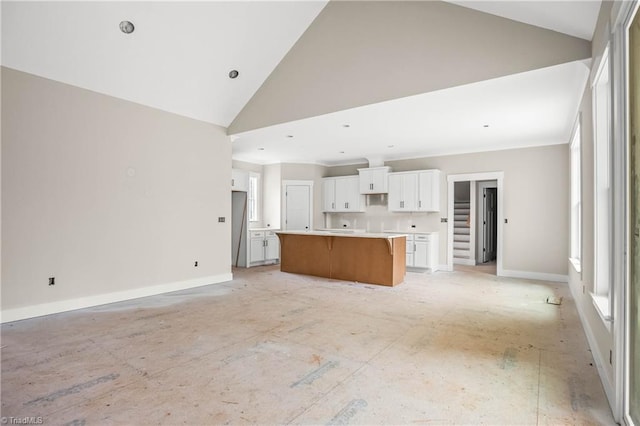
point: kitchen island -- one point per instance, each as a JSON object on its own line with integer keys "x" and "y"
{"x": 362, "y": 257}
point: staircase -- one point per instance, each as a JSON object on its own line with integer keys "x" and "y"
{"x": 461, "y": 233}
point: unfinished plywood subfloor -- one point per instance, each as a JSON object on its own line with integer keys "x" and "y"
{"x": 276, "y": 348}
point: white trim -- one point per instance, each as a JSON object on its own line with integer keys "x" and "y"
{"x": 621, "y": 216}
{"x": 472, "y": 177}
{"x": 460, "y": 261}
{"x": 576, "y": 264}
{"x": 33, "y": 311}
{"x": 601, "y": 304}
{"x": 607, "y": 384}
{"x": 444, "y": 268}
{"x": 540, "y": 276}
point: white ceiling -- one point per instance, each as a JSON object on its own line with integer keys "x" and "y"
{"x": 574, "y": 17}
{"x": 179, "y": 57}
{"x": 527, "y": 109}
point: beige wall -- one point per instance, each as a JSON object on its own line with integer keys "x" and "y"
{"x": 400, "y": 48}
{"x": 536, "y": 189}
{"x": 272, "y": 188}
{"x": 250, "y": 167}
{"x": 106, "y": 195}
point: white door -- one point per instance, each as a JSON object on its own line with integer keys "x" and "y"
{"x": 298, "y": 207}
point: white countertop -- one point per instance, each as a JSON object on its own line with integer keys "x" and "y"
{"x": 343, "y": 230}
{"x": 342, "y": 234}
{"x": 409, "y": 231}
{"x": 264, "y": 229}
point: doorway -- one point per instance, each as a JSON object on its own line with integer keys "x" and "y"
{"x": 483, "y": 215}
{"x": 298, "y": 205}
{"x": 487, "y": 230}
{"x": 239, "y": 229}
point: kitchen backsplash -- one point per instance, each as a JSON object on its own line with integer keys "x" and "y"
{"x": 378, "y": 218}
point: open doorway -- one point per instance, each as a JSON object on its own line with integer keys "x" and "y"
{"x": 475, "y": 222}
{"x": 487, "y": 229}
{"x": 475, "y": 228}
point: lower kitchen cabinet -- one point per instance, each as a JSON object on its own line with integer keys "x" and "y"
{"x": 423, "y": 251}
{"x": 264, "y": 247}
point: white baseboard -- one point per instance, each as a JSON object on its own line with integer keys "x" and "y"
{"x": 445, "y": 268}
{"x": 33, "y": 311}
{"x": 607, "y": 383}
{"x": 542, "y": 276}
{"x": 460, "y": 261}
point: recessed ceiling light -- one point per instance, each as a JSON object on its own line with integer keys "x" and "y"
{"x": 233, "y": 73}
{"x": 127, "y": 27}
{"x": 260, "y": 149}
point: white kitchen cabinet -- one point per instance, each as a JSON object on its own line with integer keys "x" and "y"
{"x": 264, "y": 247}
{"x": 403, "y": 192}
{"x": 272, "y": 248}
{"x": 417, "y": 191}
{"x": 426, "y": 251}
{"x": 328, "y": 195}
{"x": 422, "y": 251}
{"x": 374, "y": 180}
{"x": 342, "y": 194}
{"x": 409, "y": 251}
{"x": 239, "y": 180}
{"x": 429, "y": 191}
{"x": 421, "y": 254}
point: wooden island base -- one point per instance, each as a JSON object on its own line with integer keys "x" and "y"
{"x": 367, "y": 259}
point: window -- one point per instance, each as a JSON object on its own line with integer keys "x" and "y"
{"x": 602, "y": 121}
{"x": 576, "y": 197}
{"x": 254, "y": 185}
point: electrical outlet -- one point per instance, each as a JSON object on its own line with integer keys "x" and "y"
{"x": 52, "y": 280}
{"x": 195, "y": 264}
{"x": 221, "y": 219}
{"x": 444, "y": 220}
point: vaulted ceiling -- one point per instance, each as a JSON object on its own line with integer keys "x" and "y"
{"x": 348, "y": 80}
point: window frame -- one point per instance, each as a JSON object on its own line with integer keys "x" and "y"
{"x": 602, "y": 294}
{"x": 253, "y": 197}
{"x": 575, "y": 147}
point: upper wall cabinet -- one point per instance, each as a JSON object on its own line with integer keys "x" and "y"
{"x": 417, "y": 191}
{"x": 374, "y": 180}
{"x": 403, "y": 192}
{"x": 429, "y": 191}
{"x": 239, "y": 180}
{"x": 341, "y": 194}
